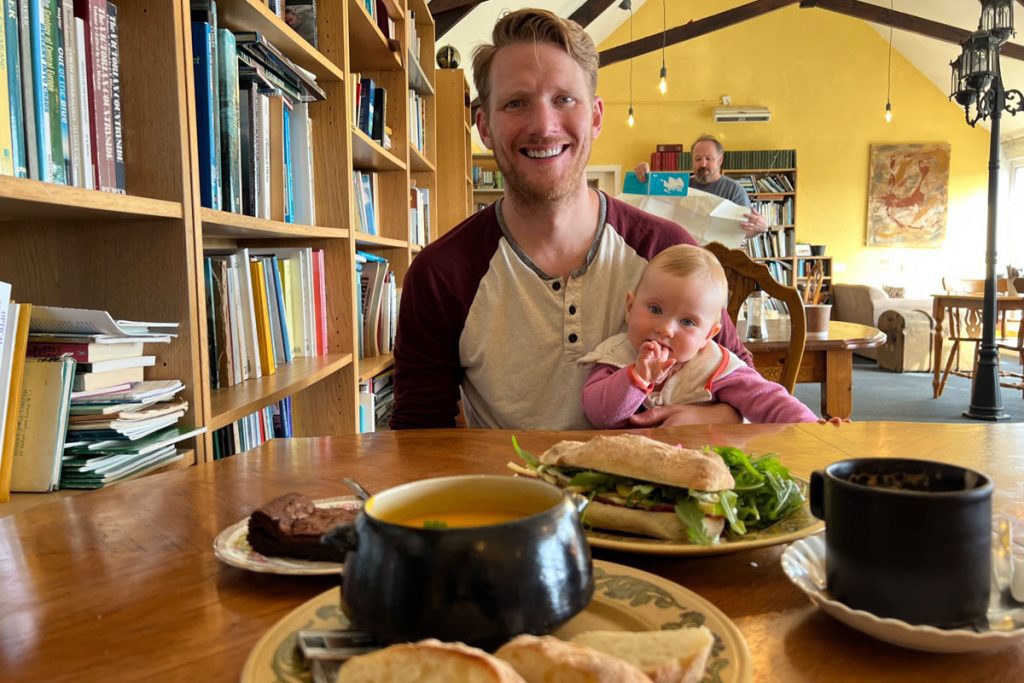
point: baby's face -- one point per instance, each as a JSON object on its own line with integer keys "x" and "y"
{"x": 679, "y": 313}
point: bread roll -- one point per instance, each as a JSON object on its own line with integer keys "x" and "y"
{"x": 664, "y": 525}
{"x": 543, "y": 659}
{"x": 428, "y": 661}
{"x": 637, "y": 457}
{"x": 666, "y": 656}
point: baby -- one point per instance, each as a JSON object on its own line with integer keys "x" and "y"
{"x": 667, "y": 355}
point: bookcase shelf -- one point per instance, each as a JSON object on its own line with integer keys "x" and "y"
{"x": 252, "y": 15}
{"x": 371, "y": 366}
{"x": 417, "y": 162}
{"x": 141, "y": 255}
{"x": 233, "y": 403}
{"x": 370, "y": 156}
{"x": 234, "y": 225}
{"x": 368, "y": 48}
{"x": 454, "y": 150}
{"x": 22, "y": 198}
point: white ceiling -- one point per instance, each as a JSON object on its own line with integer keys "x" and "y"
{"x": 929, "y": 55}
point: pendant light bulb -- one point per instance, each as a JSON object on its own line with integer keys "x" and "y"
{"x": 630, "y": 120}
{"x": 888, "y": 112}
{"x": 663, "y": 83}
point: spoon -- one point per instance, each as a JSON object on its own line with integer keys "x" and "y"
{"x": 356, "y": 488}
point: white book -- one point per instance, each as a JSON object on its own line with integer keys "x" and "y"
{"x": 63, "y": 321}
{"x": 240, "y": 368}
{"x": 7, "y": 326}
{"x": 85, "y": 132}
{"x": 118, "y": 364}
{"x": 265, "y": 148}
{"x": 302, "y": 155}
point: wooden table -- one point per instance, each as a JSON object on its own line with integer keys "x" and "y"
{"x": 828, "y": 359}
{"x": 122, "y": 584}
{"x": 940, "y": 302}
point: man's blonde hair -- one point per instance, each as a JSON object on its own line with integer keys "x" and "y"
{"x": 534, "y": 26}
{"x": 688, "y": 261}
{"x": 708, "y": 138}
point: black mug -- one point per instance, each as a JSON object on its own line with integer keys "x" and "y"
{"x": 907, "y": 539}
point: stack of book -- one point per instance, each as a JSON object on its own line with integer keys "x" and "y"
{"x": 87, "y": 417}
{"x": 60, "y": 91}
{"x": 378, "y": 307}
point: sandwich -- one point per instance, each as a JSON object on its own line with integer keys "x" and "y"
{"x": 641, "y": 486}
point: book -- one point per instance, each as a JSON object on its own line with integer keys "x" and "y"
{"x": 75, "y": 172}
{"x": 202, "y": 64}
{"x": 42, "y": 423}
{"x": 10, "y": 93}
{"x": 117, "y": 364}
{"x": 231, "y": 143}
{"x": 28, "y": 88}
{"x": 11, "y": 374}
{"x": 61, "y": 321}
{"x": 88, "y": 167}
{"x": 88, "y": 381}
{"x": 262, "y": 311}
{"x": 114, "y": 62}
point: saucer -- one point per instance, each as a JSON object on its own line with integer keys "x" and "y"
{"x": 804, "y": 564}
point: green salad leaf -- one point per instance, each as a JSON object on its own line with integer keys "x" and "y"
{"x": 765, "y": 490}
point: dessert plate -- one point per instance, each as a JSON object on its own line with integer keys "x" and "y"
{"x": 625, "y": 599}
{"x": 804, "y": 564}
{"x": 798, "y": 525}
{"x": 232, "y": 547}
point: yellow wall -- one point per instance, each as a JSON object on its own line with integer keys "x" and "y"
{"x": 823, "y": 76}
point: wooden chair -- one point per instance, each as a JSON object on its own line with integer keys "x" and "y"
{"x": 964, "y": 326}
{"x": 746, "y": 276}
{"x": 1014, "y": 379}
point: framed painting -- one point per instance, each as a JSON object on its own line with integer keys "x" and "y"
{"x": 908, "y": 195}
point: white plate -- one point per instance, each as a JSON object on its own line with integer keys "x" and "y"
{"x": 804, "y": 564}
{"x": 232, "y": 547}
{"x": 625, "y": 599}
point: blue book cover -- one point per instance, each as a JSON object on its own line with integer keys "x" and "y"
{"x": 14, "y": 87}
{"x": 659, "y": 184}
{"x": 289, "y": 183}
{"x": 38, "y": 17}
{"x": 203, "y": 72}
{"x": 366, "y": 195}
{"x": 282, "y": 319}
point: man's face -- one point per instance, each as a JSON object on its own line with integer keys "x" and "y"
{"x": 707, "y": 162}
{"x": 540, "y": 121}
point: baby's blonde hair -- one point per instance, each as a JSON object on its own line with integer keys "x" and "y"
{"x": 688, "y": 261}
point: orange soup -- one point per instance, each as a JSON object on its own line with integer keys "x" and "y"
{"x": 455, "y": 520}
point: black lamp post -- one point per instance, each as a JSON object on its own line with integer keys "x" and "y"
{"x": 977, "y": 85}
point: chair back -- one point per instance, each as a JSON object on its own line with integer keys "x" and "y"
{"x": 746, "y": 276}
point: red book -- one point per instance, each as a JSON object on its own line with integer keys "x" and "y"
{"x": 93, "y": 14}
{"x": 84, "y": 353}
{"x": 320, "y": 300}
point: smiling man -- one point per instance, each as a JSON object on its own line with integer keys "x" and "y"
{"x": 498, "y": 311}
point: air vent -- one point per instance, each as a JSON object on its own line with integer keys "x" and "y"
{"x": 742, "y": 114}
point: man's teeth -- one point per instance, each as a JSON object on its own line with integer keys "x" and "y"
{"x": 543, "y": 153}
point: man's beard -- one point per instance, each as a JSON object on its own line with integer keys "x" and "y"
{"x": 703, "y": 175}
{"x": 535, "y": 191}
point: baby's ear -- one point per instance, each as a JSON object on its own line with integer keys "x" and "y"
{"x": 715, "y": 329}
{"x": 629, "y": 301}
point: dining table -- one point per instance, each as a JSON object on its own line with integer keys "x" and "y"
{"x": 122, "y": 583}
{"x": 947, "y": 301}
{"x": 827, "y": 359}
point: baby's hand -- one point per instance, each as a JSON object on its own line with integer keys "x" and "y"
{"x": 653, "y": 362}
{"x": 833, "y": 421}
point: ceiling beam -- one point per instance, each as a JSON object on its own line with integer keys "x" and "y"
{"x": 447, "y": 13}
{"x": 905, "y": 22}
{"x": 690, "y": 30}
{"x": 592, "y": 9}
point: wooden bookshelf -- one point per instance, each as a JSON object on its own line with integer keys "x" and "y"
{"x": 140, "y": 255}
{"x": 455, "y": 150}
{"x": 484, "y": 194}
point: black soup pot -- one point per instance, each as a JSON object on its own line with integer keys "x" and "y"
{"x": 907, "y": 539}
{"x": 481, "y": 584}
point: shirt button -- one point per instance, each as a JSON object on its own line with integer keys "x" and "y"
{"x": 572, "y": 310}
{"x": 557, "y": 286}
{"x": 573, "y": 338}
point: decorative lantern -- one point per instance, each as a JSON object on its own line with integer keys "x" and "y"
{"x": 997, "y": 18}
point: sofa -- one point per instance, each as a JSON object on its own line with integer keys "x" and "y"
{"x": 865, "y": 304}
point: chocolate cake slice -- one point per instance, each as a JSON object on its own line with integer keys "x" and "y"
{"x": 291, "y": 526}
